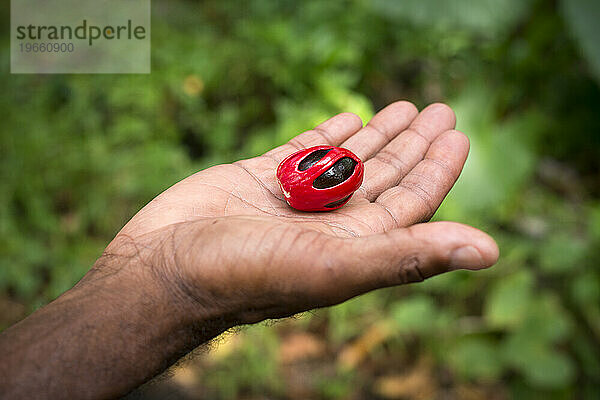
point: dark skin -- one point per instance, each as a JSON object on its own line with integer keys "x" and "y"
{"x": 221, "y": 248}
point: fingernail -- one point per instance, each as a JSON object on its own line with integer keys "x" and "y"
{"x": 467, "y": 257}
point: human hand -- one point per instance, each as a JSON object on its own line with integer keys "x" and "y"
{"x": 228, "y": 247}
{"x": 222, "y": 248}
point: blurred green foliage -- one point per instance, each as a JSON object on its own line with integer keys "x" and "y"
{"x": 80, "y": 154}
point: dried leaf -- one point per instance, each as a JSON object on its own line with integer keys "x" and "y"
{"x": 300, "y": 346}
{"x": 193, "y": 85}
{"x": 354, "y": 353}
{"x": 419, "y": 383}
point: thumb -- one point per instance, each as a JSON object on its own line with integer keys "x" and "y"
{"x": 414, "y": 254}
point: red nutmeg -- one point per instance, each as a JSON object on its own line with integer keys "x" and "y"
{"x": 320, "y": 178}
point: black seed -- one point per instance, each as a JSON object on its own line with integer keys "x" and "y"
{"x": 337, "y": 203}
{"x": 338, "y": 173}
{"x": 312, "y": 158}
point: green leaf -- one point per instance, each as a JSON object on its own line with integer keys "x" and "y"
{"x": 476, "y": 358}
{"x": 594, "y": 222}
{"x": 500, "y": 161}
{"x": 508, "y": 303}
{"x": 415, "y": 315}
{"x": 561, "y": 253}
{"x": 585, "y": 288}
{"x": 483, "y": 16}
{"x": 582, "y": 18}
{"x": 546, "y": 320}
{"x": 539, "y": 363}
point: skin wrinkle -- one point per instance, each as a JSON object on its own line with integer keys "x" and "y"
{"x": 325, "y": 135}
{"x": 374, "y": 151}
{"x": 414, "y": 128}
{"x": 255, "y": 178}
{"x": 191, "y": 291}
{"x": 383, "y": 277}
{"x": 321, "y": 272}
{"x": 270, "y": 157}
{"x": 271, "y": 257}
{"x": 239, "y": 263}
{"x": 395, "y": 222}
{"x": 98, "y": 269}
{"x": 408, "y": 266}
{"x": 286, "y": 208}
{"x": 261, "y": 184}
{"x": 381, "y": 132}
{"x": 263, "y": 239}
{"x": 178, "y": 269}
{"x": 295, "y": 240}
{"x": 415, "y": 132}
{"x": 402, "y": 171}
{"x": 301, "y": 241}
{"x": 421, "y": 193}
{"x": 389, "y": 158}
{"x": 231, "y": 194}
{"x": 125, "y": 327}
{"x": 364, "y": 191}
{"x": 348, "y": 231}
{"x": 296, "y": 144}
{"x": 419, "y": 178}
{"x": 382, "y": 224}
{"x": 240, "y": 199}
{"x": 409, "y": 263}
{"x": 338, "y": 212}
{"x": 104, "y": 260}
{"x": 273, "y": 248}
{"x": 241, "y": 250}
{"x": 320, "y": 239}
{"x": 397, "y": 177}
{"x": 370, "y": 228}
{"x": 178, "y": 266}
{"x": 448, "y": 170}
{"x": 309, "y": 219}
{"x": 435, "y": 177}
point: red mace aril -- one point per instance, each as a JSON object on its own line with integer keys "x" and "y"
{"x": 320, "y": 178}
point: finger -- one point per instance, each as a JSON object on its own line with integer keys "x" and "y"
{"x": 333, "y": 131}
{"x": 403, "y": 256}
{"x": 420, "y": 193}
{"x": 398, "y": 157}
{"x": 382, "y": 128}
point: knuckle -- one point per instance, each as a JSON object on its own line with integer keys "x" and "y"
{"x": 410, "y": 269}
{"x": 393, "y": 159}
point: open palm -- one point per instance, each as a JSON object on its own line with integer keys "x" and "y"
{"x": 230, "y": 232}
{"x": 411, "y": 162}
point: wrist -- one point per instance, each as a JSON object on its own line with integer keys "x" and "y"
{"x": 140, "y": 274}
{"x": 117, "y": 328}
